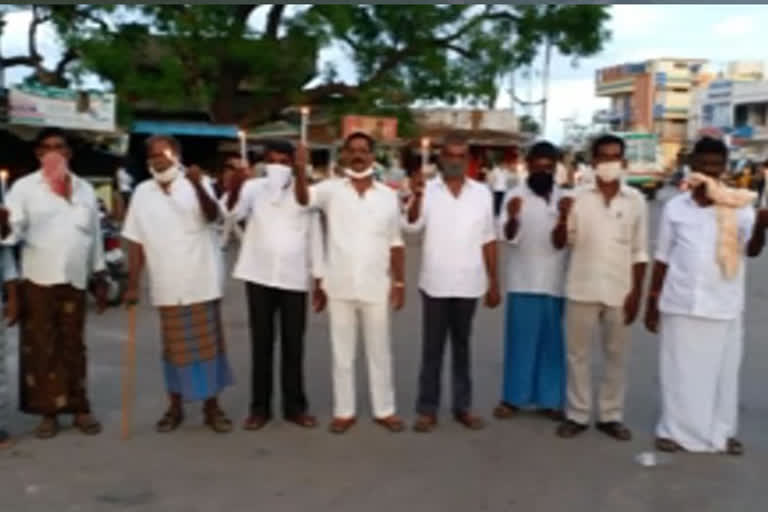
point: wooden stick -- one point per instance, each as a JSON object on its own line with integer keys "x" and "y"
{"x": 129, "y": 373}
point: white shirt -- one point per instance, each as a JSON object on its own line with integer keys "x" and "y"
{"x": 61, "y": 240}
{"x": 533, "y": 264}
{"x": 606, "y": 241}
{"x": 282, "y": 239}
{"x": 124, "y": 180}
{"x": 455, "y": 231}
{"x": 687, "y": 243}
{"x": 499, "y": 179}
{"x": 180, "y": 246}
{"x": 360, "y": 233}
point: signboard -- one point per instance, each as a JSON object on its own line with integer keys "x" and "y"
{"x": 380, "y": 128}
{"x": 37, "y": 105}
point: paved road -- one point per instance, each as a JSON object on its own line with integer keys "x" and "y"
{"x": 515, "y": 465}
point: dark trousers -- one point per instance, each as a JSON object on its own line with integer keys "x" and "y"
{"x": 498, "y": 199}
{"x": 444, "y": 317}
{"x": 264, "y": 305}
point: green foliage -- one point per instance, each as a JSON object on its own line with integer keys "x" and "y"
{"x": 247, "y": 63}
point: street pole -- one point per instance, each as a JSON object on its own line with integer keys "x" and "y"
{"x": 545, "y": 84}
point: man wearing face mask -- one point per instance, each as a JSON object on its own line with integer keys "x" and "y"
{"x": 54, "y": 213}
{"x": 458, "y": 267}
{"x": 363, "y": 274}
{"x": 696, "y": 302}
{"x": 534, "y": 360}
{"x": 606, "y": 229}
{"x": 170, "y": 226}
{"x": 281, "y": 244}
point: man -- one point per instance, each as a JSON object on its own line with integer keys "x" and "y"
{"x": 499, "y": 178}
{"x": 606, "y": 229}
{"x": 9, "y": 276}
{"x": 364, "y": 270}
{"x": 280, "y": 245}
{"x": 171, "y": 226}
{"x": 458, "y": 267}
{"x": 697, "y": 302}
{"x": 54, "y": 214}
{"x": 534, "y": 360}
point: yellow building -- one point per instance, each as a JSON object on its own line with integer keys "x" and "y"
{"x": 654, "y": 97}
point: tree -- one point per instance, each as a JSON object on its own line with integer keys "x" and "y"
{"x": 529, "y": 125}
{"x": 246, "y": 63}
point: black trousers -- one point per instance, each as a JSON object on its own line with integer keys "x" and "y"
{"x": 444, "y": 317}
{"x": 265, "y": 304}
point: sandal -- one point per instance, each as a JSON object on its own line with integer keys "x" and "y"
{"x": 218, "y": 421}
{"x": 392, "y": 423}
{"x": 668, "y": 445}
{"x": 615, "y": 429}
{"x": 505, "y": 411}
{"x": 47, "y": 428}
{"x": 425, "y": 423}
{"x": 87, "y": 424}
{"x": 570, "y": 429}
{"x": 734, "y": 447}
{"x": 170, "y": 421}
{"x": 553, "y": 414}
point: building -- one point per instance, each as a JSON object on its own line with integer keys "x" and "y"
{"x": 653, "y": 96}
{"x": 737, "y": 110}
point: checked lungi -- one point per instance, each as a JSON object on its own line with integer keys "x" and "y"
{"x": 194, "y": 356}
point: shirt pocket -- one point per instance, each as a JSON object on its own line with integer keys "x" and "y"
{"x": 82, "y": 218}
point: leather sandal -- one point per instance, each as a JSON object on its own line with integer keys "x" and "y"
{"x": 341, "y": 425}
{"x": 218, "y": 421}
{"x": 505, "y": 411}
{"x": 87, "y": 424}
{"x": 469, "y": 421}
{"x": 392, "y": 423}
{"x": 255, "y": 422}
{"x": 615, "y": 429}
{"x": 425, "y": 423}
{"x": 48, "y": 428}
{"x": 170, "y": 421}
{"x": 734, "y": 447}
{"x": 570, "y": 429}
{"x": 553, "y": 414}
{"x": 303, "y": 420}
{"x": 667, "y": 445}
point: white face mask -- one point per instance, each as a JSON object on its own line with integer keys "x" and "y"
{"x": 351, "y": 173}
{"x": 278, "y": 175}
{"x": 166, "y": 176}
{"x": 609, "y": 171}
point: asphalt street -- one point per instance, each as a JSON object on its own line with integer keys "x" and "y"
{"x": 518, "y": 464}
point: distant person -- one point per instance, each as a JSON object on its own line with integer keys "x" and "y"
{"x": 605, "y": 226}
{"x": 499, "y": 178}
{"x": 534, "y": 341}
{"x": 459, "y": 266}
{"x": 696, "y": 302}
{"x": 170, "y": 228}
{"x": 54, "y": 214}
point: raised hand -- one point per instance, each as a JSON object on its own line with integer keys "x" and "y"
{"x": 514, "y": 206}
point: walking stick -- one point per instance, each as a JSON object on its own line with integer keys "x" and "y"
{"x": 129, "y": 372}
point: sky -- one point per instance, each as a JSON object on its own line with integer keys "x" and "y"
{"x": 719, "y": 33}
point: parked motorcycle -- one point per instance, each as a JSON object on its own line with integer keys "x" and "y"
{"x": 114, "y": 256}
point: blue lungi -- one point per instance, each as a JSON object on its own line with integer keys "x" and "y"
{"x": 534, "y": 351}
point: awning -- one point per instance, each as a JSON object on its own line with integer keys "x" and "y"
{"x": 195, "y": 129}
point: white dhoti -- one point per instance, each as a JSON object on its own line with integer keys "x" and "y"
{"x": 344, "y": 315}
{"x": 699, "y": 363}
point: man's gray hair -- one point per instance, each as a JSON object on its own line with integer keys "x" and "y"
{"x": 168, "y": 139}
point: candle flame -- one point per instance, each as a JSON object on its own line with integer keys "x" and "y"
{"x": 425, "y": 142}
{"x": 305, "y": 111}
{"x": 3, "y": 174}
{"x": 241, "y": 134}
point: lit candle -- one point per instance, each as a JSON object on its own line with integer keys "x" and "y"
{"x": 304, "y": 124}
{"x": 243, "y": 147}
{"x": 424, "y": 153}
{"x": 3, "y": 183}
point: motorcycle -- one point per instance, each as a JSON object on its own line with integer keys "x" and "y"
{"x": 114, "y": 257}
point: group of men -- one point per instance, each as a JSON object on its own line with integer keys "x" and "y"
{"x": 575, "y": 268}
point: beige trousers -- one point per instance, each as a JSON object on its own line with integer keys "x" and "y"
{"x": 582, "y": 321}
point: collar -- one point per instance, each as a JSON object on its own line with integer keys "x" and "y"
{"x": 623, "y": 189}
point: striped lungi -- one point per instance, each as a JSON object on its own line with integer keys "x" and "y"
{"x": 194, "y": 357}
